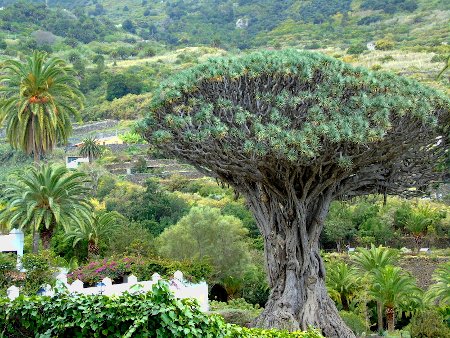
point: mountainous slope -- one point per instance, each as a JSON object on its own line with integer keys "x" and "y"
{"x": 247, "y": 23}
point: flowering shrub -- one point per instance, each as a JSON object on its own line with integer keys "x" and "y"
{"x": 143, "y": 268}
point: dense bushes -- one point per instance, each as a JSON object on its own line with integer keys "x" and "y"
{"x": 152, "y": 314}
{"x": 429, "y": 324}
{"x": 39, "y": 271}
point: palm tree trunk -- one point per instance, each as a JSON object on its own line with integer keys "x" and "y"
{"x": 380, "y": 316}
{"x": 344, "y": 302}
{"x": 390, "y": 316}
{"x": 93, "y": 250}
{"x": 35, "y": 241}
{"x": 46, "y": 236}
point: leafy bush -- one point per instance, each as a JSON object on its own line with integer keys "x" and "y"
{"x": 354, "y": 322}
{"x": 39, "y": 271}
{"x": 152, "y": 314}
{"x": 356, "y": 49}
{"x": 8, "y": 273}
{"x": 429, "y": 324}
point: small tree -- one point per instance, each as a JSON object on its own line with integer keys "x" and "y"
{"x": 393, "y": 288}
{"x": 342, "y": 282}
{"x": 90, "y": 149}
{"x": 44, "y": 198}
{"x": 292, "y": 131}
{"x": 205, "y": 234}
{"x": 339, "y": 225}
{"x": 371, "y": 261}
{"x": 98, "y": 228}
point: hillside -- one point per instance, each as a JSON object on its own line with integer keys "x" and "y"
{"x": 246, "y": 24}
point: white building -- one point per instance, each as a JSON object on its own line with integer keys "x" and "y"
{"x": 13, "y": 243}
{"x": 72, "y": 162}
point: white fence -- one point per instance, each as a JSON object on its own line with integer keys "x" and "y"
{"x": 180, "y": 288}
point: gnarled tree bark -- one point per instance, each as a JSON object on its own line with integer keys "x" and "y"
{"x": 291, "y": 230}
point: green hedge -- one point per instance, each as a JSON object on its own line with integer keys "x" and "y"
{"x": 152, "y": 314}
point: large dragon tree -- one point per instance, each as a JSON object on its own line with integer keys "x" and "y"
{"x": 292, "y": 131}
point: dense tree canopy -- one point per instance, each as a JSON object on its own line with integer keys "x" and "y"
{"x": 292, "y": 131}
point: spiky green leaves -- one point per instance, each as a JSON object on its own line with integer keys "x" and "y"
{"x": 38, "y": 99}
{"x": 289, "y": 104}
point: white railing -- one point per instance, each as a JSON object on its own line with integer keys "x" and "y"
{"x": 180, "y": 288}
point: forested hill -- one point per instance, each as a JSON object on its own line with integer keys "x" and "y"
{"x": 241, "y": 23}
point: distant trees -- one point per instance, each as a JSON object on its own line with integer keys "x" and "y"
{"x": 390, "y": 6}
{"x": 38, "y": 101}
{"x": 119, "y": 85}
{"x": 128, "y": 26}
{"x": 90, "y": 148}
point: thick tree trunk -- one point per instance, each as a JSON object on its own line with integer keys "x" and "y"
{"x": 298, "y": 297}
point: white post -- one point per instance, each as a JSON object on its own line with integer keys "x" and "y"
{"x": 13, "y": 292}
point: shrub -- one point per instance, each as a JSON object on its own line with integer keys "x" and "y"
{"x": 354, "y": 322}
{"x": 429, "y": 324}
{"x": 356, "y": 49}
{"x": 384, "y": 44}
{"x": 152, "y": 314}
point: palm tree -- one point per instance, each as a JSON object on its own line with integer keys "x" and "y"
{"x": 342, "y": 282}
{"x": 393, "y": 288}
{"x": 90, "y": 149}
{"x": 99, "y": 227}
{"x": 43, "y": 198}
{"x": 440, "y": 292}
{"x": 446, "y": 66}
{"x": 371, "y": 260}
{"x": 39, "y": 97}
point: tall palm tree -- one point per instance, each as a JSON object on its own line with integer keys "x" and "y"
{"x": 393, "y": 288}
{"x": 38, "y": 99}
{"x": 342, "y": 282}
{"x": 90, "y": 149}
{"x": 440, "y": 292}
{"x": 43, "y": 198}
{"x": 446, "y": 66}
{"x": 99, "y": 227}
{"x": 371, "y": 260}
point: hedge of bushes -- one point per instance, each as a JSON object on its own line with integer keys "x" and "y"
{"x": 152, "y": 314}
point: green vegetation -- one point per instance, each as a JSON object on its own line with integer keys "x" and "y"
{"x": 292, "y": 131}
{"x": 144, "y": 212}
{"x": 43, "y": 199}
{"x": 39, "y": 98}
